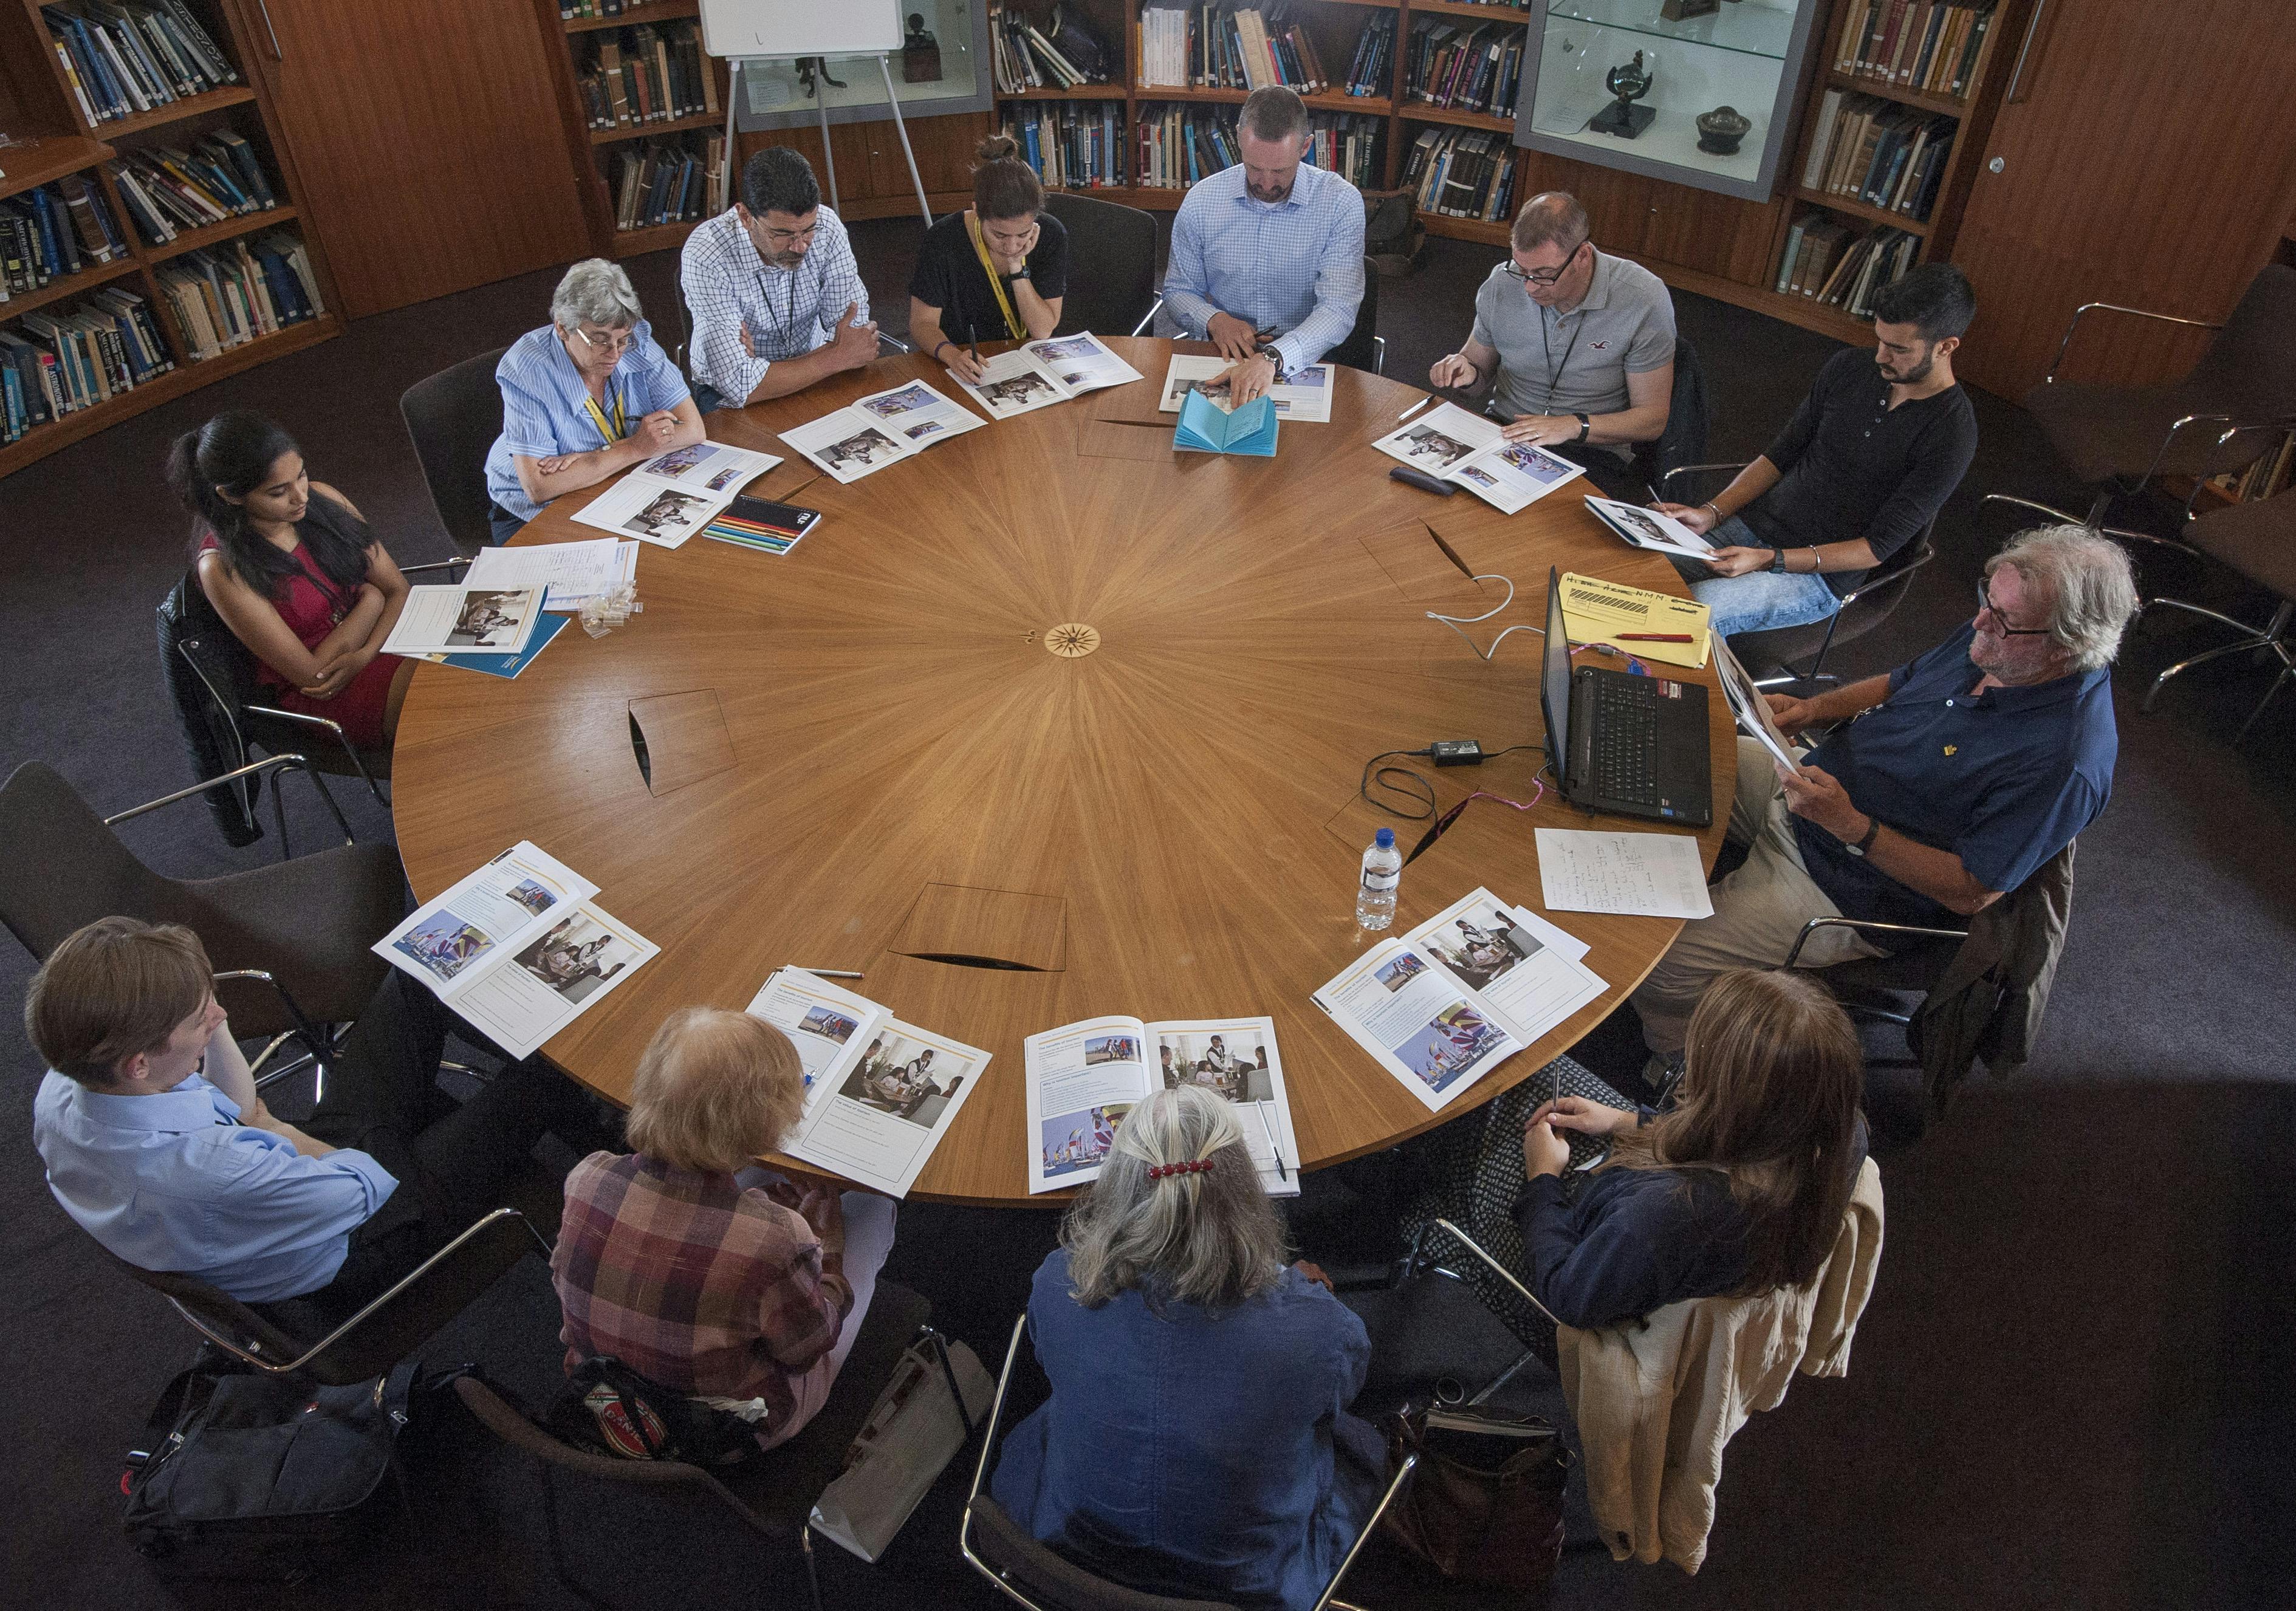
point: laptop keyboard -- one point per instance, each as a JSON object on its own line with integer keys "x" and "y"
{"x": 1626, "y": 739}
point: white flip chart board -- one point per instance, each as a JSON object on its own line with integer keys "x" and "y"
{"x": 800, "y": 27}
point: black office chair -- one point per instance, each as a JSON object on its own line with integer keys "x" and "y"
{"x": 1682, "y": 445}
{"x": 453, "y": 419}
{"x": 1863, "y": 607}
{"x": 771, "y": 1495}
{"x": 2257, "y": 541}
{"x": 294, "y": 1337}
{"x": 1112, "y": 253}
{"x": 1039, "y": 1579}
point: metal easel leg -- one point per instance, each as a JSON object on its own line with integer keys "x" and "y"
{"x": 828, "y": 154}
{"x": 725, "y": 162}
{"x": 893, "y": 98}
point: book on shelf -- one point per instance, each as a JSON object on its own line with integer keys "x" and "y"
{"x": 1023, "y": 58}
{"x": 1932, "y": 47}
{"x": 1181, "y": 142}
{"x": 1443, "y": 1004}
{"x": 52, "y": 230}
{"x": 168, "y": 190}
{"x": 1462, "y": 173}
{"x": 1346, "y": 143}
{"x": 1083, "y": 1078}
{"x": 227, "y": 295}
{"x": 517, "y": 948}
{"x": 879, "y": 1094}
{"x": 593, "y": 10}
{"x": 64, "y": 358}
{"x": 1470, "y": 67}
{"x": 666, "y": 183}
{"x": 1879, "y": 153}
{"x": 1374, "y": 59}
{"x": 650, "y": 73}
{"x": 1076, "y": 146}
{"x": 121, "y": 60}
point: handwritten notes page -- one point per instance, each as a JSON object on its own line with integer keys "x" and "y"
{"x": 1654, "y": 875}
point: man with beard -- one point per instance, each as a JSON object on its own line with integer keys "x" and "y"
{"x": 1267, "y": 261}
{"x": 776, "y": 298}
{"x": 1966, "y": 771}
{"x": 1863, "y": 465}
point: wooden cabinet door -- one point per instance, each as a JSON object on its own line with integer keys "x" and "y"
{"x": 428, "y": 138}
{"x": 2142, "y": 156}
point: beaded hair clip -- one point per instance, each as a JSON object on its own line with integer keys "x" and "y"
{"x": 1157, "y": 1172}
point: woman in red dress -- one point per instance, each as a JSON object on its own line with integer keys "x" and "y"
{"x": 292, "y": 569}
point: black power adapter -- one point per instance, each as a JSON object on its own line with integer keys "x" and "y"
{"x": 1456, "y": 752}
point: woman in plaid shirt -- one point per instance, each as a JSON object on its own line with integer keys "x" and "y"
{"x": 745, "y": 1297}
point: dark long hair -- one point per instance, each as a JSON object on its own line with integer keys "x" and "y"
{"x": 234, "y": 452}
{"x": 1769, "y": 1098}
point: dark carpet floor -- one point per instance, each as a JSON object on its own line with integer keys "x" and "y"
{"x": 2072, "y": 1387}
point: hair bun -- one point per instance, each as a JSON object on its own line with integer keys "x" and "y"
{"x": 997, "y": 148}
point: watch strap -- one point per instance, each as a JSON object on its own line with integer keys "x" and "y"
{"x": 1872, "y": 830}
{"x": 1585, "y": 425}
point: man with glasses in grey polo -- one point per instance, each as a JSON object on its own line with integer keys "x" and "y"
{"x": 1579, "y": 345}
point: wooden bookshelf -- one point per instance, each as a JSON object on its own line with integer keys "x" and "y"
{"x": 1427, "y": 111}
{"x": 40, "y": 99}
{"x": 650, "y": 131}
{"x": 1851, "y": 207}
{"x": 667, "y": 10}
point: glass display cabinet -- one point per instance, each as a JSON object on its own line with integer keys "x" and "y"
{"x": 1696, "y": 91}
{"x": 939, "y": 69}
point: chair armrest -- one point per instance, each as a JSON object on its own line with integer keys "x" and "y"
{"x": 1498, "y": 1269}
{"x": 305, "y": 1029}
{"x": 1395, "y": 1486}
{"x": 408, "y": 570}
{"x": 1864, "y": 926}
{"x": 1149, "y": 317}
{"x": 289, "y": 762}
{"x": 895, "y": 342}
{"x": 2073, "y": 324}
{"x": 1891, "y": 573}
{"x": 1693, "y": 469}
{"x": 476, "y": 1228}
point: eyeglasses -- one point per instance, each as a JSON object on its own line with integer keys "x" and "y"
{"x": 1984, "y": 605}
{"x": 1543, "y": 276}
{"x": 787, "y": 237}
{"x": 615, "y": 344}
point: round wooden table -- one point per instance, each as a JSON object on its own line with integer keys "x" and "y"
{"x": 872, "y": 754}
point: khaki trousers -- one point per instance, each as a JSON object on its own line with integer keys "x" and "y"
{"x": 1758, "y": 911}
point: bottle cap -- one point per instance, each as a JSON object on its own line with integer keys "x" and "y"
{"x": 1384, "y": 839}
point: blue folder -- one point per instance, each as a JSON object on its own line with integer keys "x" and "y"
{"x": 1204, "y": 429}
{"x": 510, "y": 664}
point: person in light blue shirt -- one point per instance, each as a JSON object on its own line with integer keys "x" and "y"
{"x": 1268, "y": 257}
{"x": 157, "y": 1144}
{"x": 588, "y": 395}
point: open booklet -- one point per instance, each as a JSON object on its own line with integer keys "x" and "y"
{"x": 879, "y": 1093}
{"x": 881, "y": 430}
{"x": 672, "y": 495}
{"x": 465, "y": 620}
{"x": 1751, "y": 710}
{"x": 1303, "y": 397}
{"x": 1081, "y": 363}
{"x": 1038, "y": 374}
{"x": 1647, "y": 528}
{"x": 517, "y": 948}
{"x": 1473, "y": 984}
{"x": 1452, "y": 444}
{"x": 1083, "y": 1078}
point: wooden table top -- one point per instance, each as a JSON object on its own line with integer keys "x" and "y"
{"x": 865, "y": 758}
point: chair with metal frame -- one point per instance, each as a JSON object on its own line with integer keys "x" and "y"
{"x": 2258, "y": 540}
{"x": 1360, "y": 349}
{"x": 1120, "y": 243}
{"x": 773, "y": 1495}
{"x": 299, "y": 929}
{"x": 1033, "y": 1577}
{"x": 382, "y": 1332}
{"x": 1861, "y": 609}
{"x": 452, "y": 418}
{"x": 2221, "y": 416}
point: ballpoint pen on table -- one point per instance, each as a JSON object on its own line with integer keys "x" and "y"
{"x": 1276, "y": 1146}
{"x": 831, "y": 973}
{"x": 1653, "y": 637}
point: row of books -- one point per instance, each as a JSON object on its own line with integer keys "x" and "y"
{"x": 54, "y": 230}
{"x": 1828, "y": 261}
{"x": 635, "y": 75}
{"x": 1180, "y": 144}
{"x": 1077, "y": 147}
{"x": 1462, "y": 173}
{"x": 167, "y": 190}
{"x": 666, "y": 183}
{"x": 1935, "y": 46}
{"x": 1879, "y": 153}
{"x": 55, "y": 361}
{"x": 124, "y": 58}
{"x": 573, "y": 11}
{"x": 2269, "y": 476}
{"x": 1024, "y": 59}
{"x": 1475, "y": 69}
{"x": 226, "y": 296}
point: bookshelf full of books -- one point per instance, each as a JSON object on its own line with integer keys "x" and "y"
{"x": 150, "y": 239}
{"x": 651, "y": 108}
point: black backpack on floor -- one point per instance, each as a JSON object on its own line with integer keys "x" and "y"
{"x": 250, "y": 1476}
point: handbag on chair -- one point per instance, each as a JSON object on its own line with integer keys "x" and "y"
{"x": 1486, "y": 1505}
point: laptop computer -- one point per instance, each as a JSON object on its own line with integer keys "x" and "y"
{"x": 1634, "y": 746}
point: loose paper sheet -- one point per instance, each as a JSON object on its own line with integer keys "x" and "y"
{"x": 1656, "y": 875}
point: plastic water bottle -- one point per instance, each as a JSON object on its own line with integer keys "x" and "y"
{"x": 1382, "y": 871}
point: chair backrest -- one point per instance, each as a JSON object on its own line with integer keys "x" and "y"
{"x": 1683, "y": 442}
{"x": 1357, "y": 351}
{"x": 453, "y": 419}
{"x": 2251, "y": 360}
{"x": 1111, "y": 264}
{"x": 63, "y": 868}
{"x": 207, "y": 673}
{"x": 1050, "y": 1581}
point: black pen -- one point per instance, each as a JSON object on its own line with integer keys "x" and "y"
{"x": 972, "y": 339}
{"x": 1276, "y": 1146}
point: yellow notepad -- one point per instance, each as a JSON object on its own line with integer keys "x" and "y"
{"x": 1596, "y": 611}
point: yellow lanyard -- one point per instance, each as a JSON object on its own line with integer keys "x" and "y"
{"x": 980, "y": 250}
{"x": 615, "y": 431}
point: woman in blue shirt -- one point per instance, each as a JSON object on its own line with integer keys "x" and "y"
{"x": 1197, "y": 1443}
{"x": 584, "y": 398}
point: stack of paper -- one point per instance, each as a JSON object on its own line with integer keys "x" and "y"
{"x": 1636, "y": 620}
{"x": 465, "y": 619}
{"x": 575, "y": 572}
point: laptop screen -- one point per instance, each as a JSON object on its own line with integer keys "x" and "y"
{"x": 1555, "y": 680}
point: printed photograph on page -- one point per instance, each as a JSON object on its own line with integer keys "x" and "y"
{"x": 903, "y": 1078}
{"x": 577, "y": 958}
{"x": 1073, "y": 1143}
{"x": 1232, "y": 1063}
{"x": 1482, "y": 945}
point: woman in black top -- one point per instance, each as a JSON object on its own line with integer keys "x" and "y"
{"x": 1737, "y": 1189}
{"x": 995, "y": 272}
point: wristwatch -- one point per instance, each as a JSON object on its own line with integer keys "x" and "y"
{"x": 1872, "y": 827}
{"x": 1021, "y": 273}
{"x": 1585, "y": 425}
{"x": 1779, "y": 561}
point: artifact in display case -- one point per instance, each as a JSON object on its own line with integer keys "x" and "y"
{"x": 1698, "y": 94}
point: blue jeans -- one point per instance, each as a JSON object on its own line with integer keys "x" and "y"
{"x": 1760, "y": 600}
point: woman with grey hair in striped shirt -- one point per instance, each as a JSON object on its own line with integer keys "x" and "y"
{"x": 1198, "y": 1441}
